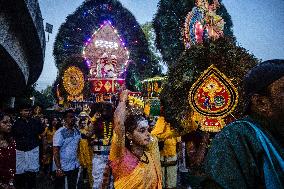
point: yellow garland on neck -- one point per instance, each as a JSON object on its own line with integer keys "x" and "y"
{"x": 107, "y": 135}
{"x": 147, "y": 109}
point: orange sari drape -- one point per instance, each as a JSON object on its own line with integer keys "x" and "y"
{"x": 144, "y": 176}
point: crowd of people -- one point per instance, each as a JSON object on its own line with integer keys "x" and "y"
{"x": 114, "y": 147}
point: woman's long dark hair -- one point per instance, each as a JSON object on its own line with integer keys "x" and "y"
{"x": 8, "y": 136}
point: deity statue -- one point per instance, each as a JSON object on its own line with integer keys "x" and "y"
{"x": 100, "y": 65}
{"x": 109, "y": 67}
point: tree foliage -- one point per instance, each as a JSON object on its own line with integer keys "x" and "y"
{"x": 34, "y": 97}
{"x": 150, "y": 34}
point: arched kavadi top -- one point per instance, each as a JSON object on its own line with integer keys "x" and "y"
{"x": 107, "y": 46}
{"x": 169, "y": 24}
{"x": 81, "y": 36}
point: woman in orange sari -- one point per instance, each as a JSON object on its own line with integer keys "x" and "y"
{"x": 134, "y": 156}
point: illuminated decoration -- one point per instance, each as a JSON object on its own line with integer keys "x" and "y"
{"x": 98, "y": 27}
{"x": 212, "y": 97}
{"x": 106, "y": 85}
{"x": 202, "y": 22}
{"x": 105, "y": 53}
{"x": 106, "y": 44}
{"x": 152, "y": 87}
{"x": 73, "y": 81}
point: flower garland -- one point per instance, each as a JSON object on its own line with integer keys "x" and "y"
{"x": 135, "y": 105}
{"x": 107, "y": 134}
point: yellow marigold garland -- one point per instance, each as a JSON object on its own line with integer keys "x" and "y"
{"x": 107, "y": 134}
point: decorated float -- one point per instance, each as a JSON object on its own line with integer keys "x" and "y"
{"x": 99, "y": 51}
{"x": 107, "y": 57}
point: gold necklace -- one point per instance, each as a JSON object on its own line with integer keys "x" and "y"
{"x": 107, "y": 135}
{"x": 146, "y": 160}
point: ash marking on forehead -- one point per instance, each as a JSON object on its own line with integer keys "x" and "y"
{"x": 143, "y": 123}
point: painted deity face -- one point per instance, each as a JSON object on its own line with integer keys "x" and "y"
{"x": 141, "y": 135}
{"x": 5, "y": 125}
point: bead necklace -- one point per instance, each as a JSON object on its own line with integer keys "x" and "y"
{"x": 107, "y": 134}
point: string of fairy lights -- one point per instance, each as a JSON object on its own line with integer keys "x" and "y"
{"x": 106, "y": 39}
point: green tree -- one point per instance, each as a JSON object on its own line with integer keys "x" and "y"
{"x": 34, "y": 97}
{"x": 150, "y": 34}
{"x": 26, "y": 95}
{"x": 49, "y": 97}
